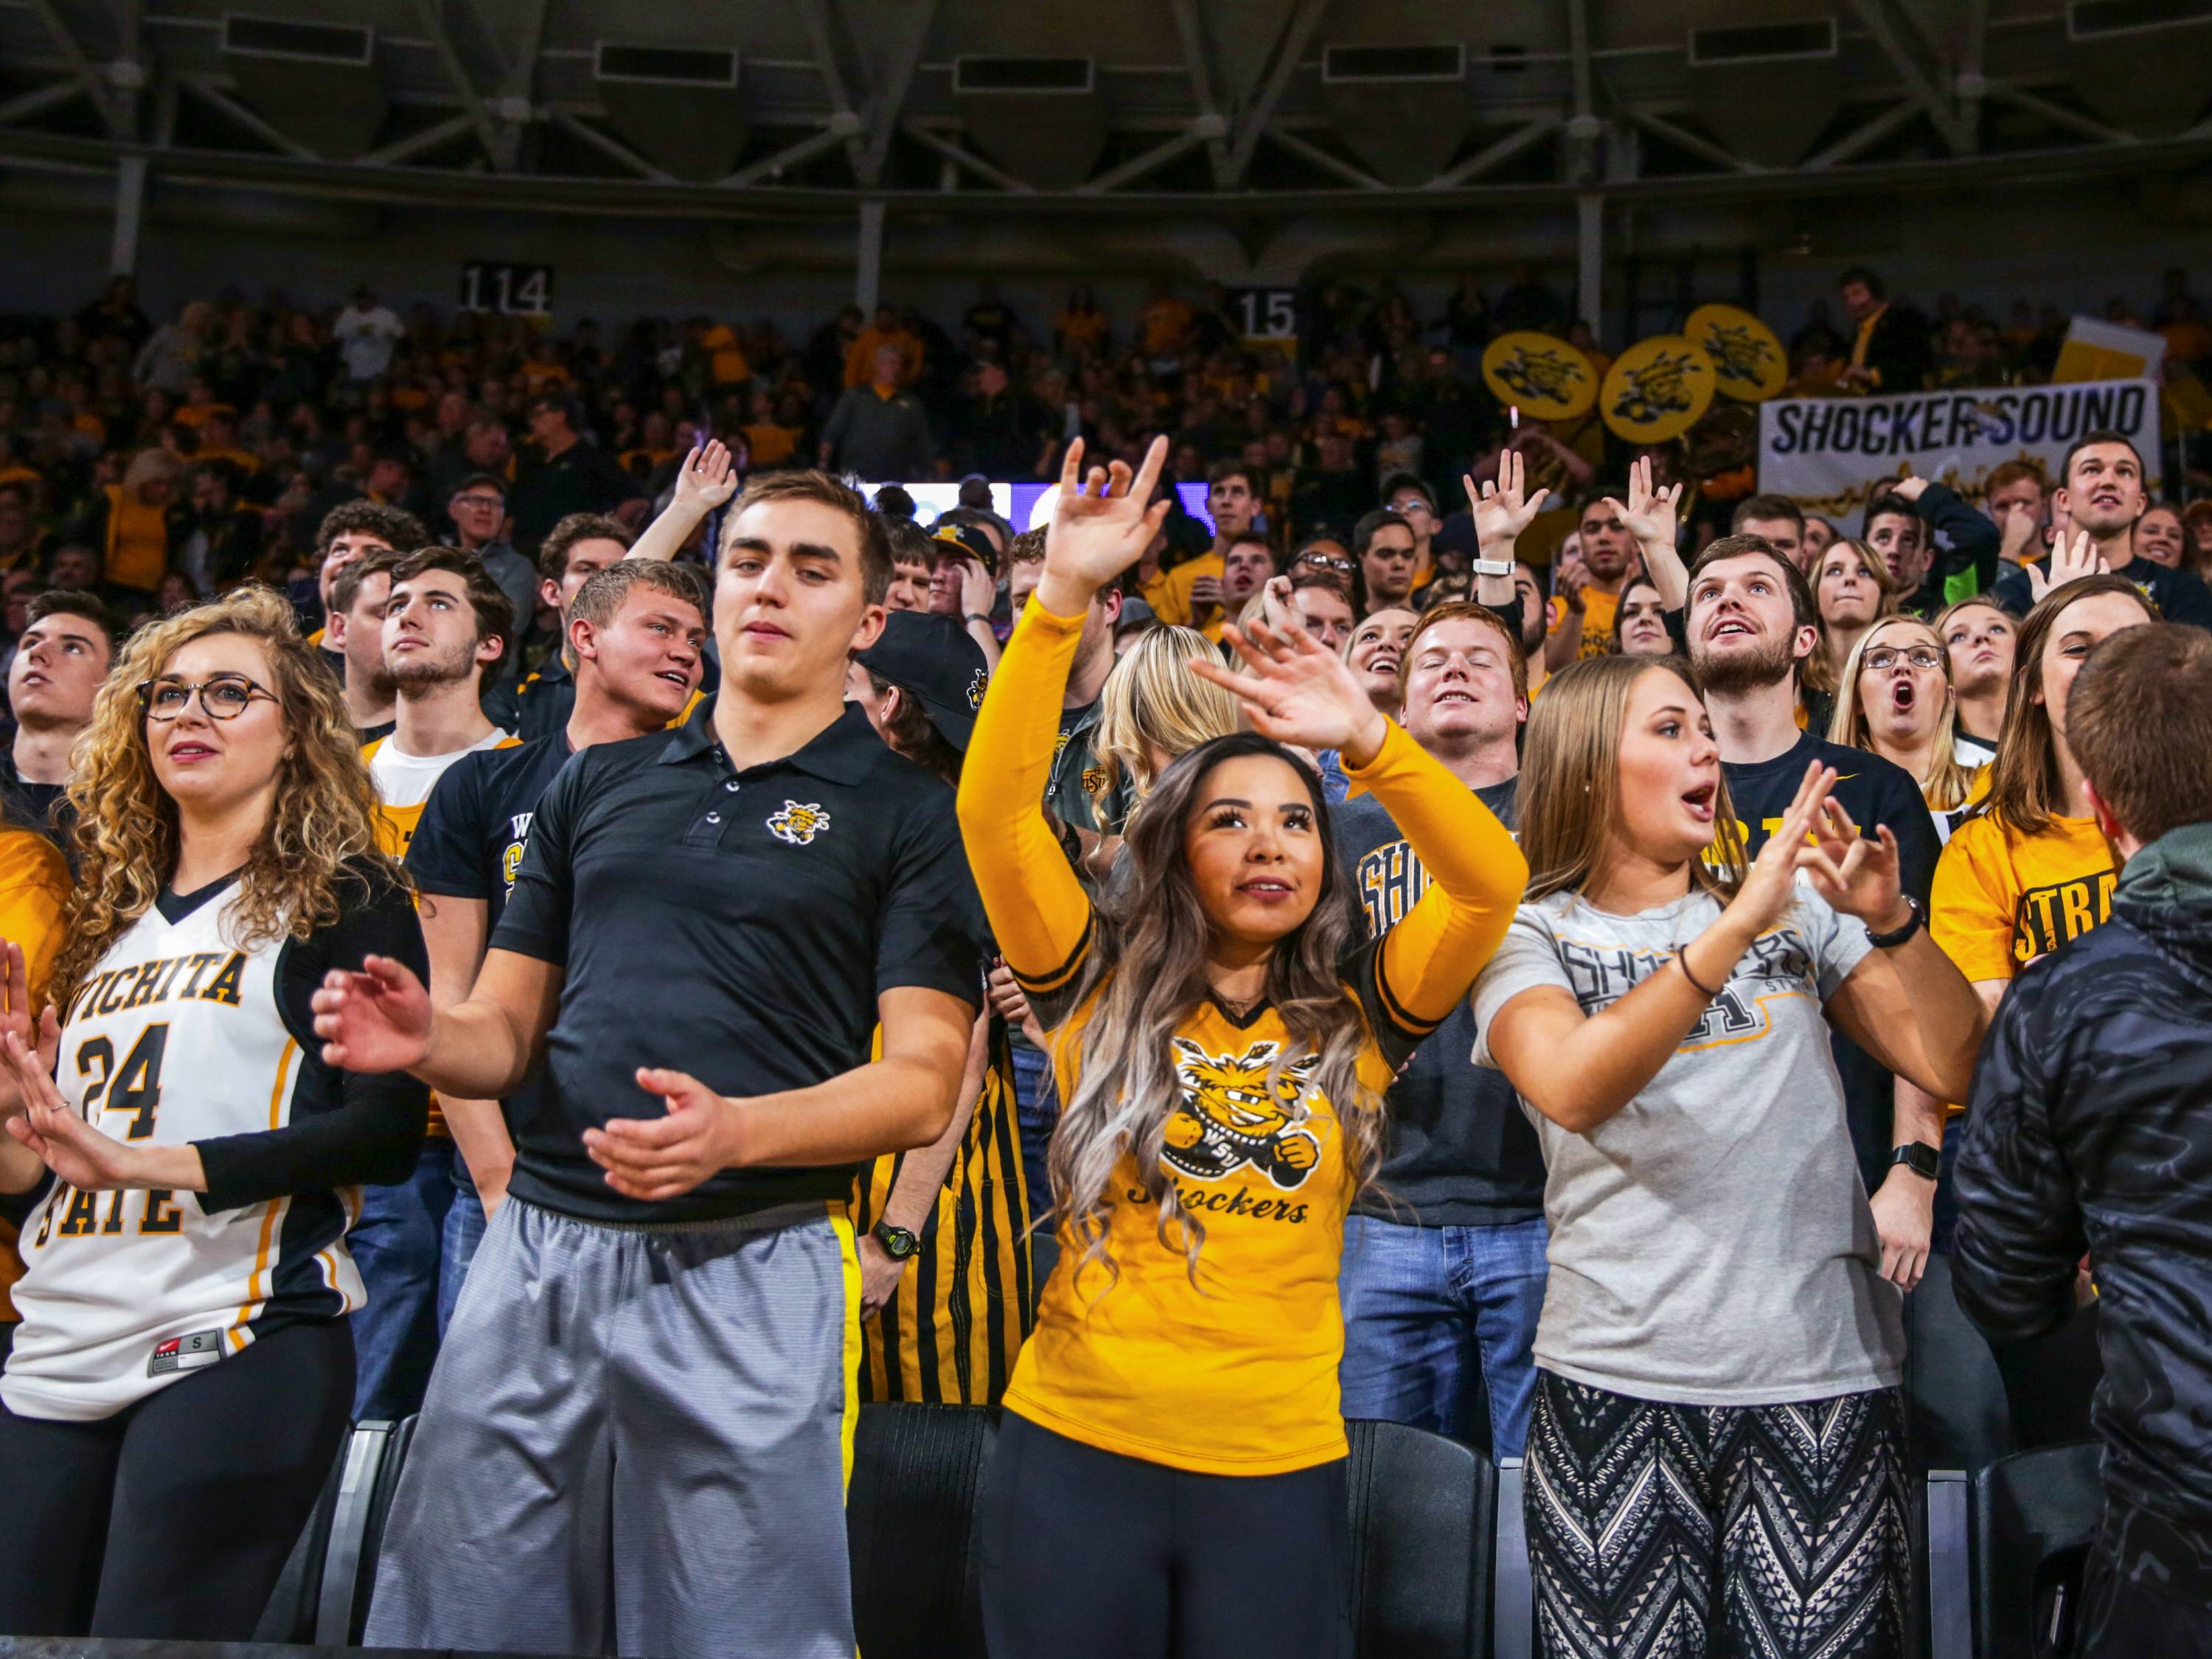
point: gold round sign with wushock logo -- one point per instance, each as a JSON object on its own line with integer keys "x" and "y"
{"x": 1539, "y": 375}
{"x": 1657, "y": 389}
{"x": 1748, "y": 361}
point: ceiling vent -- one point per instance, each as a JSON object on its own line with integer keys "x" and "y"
{"x": 1760, "y": 88}
{"x": 2142, "y": 65}
{"x": 683, "y": 108}
{"x": 1402, "y": 107}
{"x": 1042, "y": 119}
{"x": 316, "y": 82}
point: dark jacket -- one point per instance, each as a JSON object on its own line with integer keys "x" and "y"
{"x": 1968, "y": 541}
{"x": 2091, "y": 1129}
{"x": 2180, "y": 595}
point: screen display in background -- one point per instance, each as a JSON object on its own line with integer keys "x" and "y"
{"x": 1017, "y": 503}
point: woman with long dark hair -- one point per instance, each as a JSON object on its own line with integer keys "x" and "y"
{"x": 181, "y": 1379}
{"x": 1222, "y": 1039}
{"x": 1717, "y": 1441}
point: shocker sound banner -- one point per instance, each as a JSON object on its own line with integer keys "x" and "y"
{"x": 1829, "y": 454}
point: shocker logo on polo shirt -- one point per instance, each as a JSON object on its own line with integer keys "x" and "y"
{"x": 976, "y": 688}
{"x": 1229, "y": 1117}
{"x": 797, "y": 824}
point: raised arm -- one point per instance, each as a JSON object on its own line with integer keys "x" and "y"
{"x": 380, "y": 1019}
{"x": 705, "y": 481}
{"x": 1038, "y": 910}
{"x": 1578, "y": 1069}
{"x": 1502, "y": 509}
{"x": 1652, "y": 516}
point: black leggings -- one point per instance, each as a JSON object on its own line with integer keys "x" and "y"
{"x": 171, "y": 1519}
{"x": 1090, "y": 1555}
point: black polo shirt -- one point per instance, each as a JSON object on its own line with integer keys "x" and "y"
{"x": 737, "y": 926}
{"x": 544, "y": 701}
{"x": 1874, "y": 791}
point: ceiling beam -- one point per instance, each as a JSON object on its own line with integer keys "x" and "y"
{"x": 613, "y": 148}
{"x": 1357, "y": 177}
{"x": 966, "y": 158}
{"x": 1683, "y": 138}
{"x": 1198, "y": 63}
{"x": 1246, "y": 125}
{"x": 415, "y": 144}
{"x": 770, "y": 167}
{"x": 889, "y": 97}
{"x": 91, "y": 75}
{"x": 1923, "y": 83}
{"x": 25, "y": 105}
{"x": 1869, "y": 132}
{"x": 209, "y": 92}
{"x": 431, "y": 15}
{"x": 1150, "y": 160}
{"x": 2057, "y": 114}
{"x": 1495, "y": 154}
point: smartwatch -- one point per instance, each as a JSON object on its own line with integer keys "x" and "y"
{"x": 1493, "y": 566}
{"x": 1917, "y": 1156}
{"x": 898, "y": 1244}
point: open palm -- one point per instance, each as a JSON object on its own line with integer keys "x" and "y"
{"x": 1296, "y": 690}
{"x": 708, "y": 478}
{"x": 2066, "y": 564}
{"x": 1502, "y": 507}
{"x": 376, "y": 1020}
{"x": 1651, "y": 514}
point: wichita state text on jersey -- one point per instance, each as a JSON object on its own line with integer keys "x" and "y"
{"x": 187, "y": 1034}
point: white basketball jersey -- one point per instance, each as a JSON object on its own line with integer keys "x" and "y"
{"x": 177, "y": 1037}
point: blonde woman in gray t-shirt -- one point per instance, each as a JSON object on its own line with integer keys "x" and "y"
{"x": 1716, "y": 1438}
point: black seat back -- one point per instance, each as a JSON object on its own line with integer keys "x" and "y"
{"x": 1422, "y": 1514}
{"x": 910, "y": 1522}
{"x": 2034, "y": 1516}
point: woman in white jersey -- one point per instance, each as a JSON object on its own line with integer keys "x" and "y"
{"x": 181, "y": 1381}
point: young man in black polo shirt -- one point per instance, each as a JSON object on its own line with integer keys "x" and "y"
{"x": 639, "y": 1433}
{"x": 1444, "y": 1266}
{"x": 637, "y": 630}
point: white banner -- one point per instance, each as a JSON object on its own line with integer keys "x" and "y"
{"x": 1829, "y": 454}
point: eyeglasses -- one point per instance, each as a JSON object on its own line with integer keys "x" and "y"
{"x": 1327, "y": 562}
{"x": 1920, "y": 656}
{"x": 222, "y": 696}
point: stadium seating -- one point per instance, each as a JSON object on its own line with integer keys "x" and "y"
{"x": 2021, "y": 1528}
{"x": 322, "y": 1596}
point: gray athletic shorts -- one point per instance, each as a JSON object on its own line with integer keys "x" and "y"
{"x": 637, "y": 1442}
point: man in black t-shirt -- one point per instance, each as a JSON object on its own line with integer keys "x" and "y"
{"x": 1443, "y": 1270}
{"x": 557, "y": 473}
{"x": 645, "y": 1400}
{"x": 638, "y": 631}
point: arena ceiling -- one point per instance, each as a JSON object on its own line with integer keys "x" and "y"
{"x": 807, "y": 106}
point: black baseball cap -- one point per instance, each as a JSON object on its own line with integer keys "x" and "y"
{"x": 931, "y": 658}
{"x": 969, "y": 540}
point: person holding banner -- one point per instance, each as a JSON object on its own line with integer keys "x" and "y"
{"x": 2100, "y": 492}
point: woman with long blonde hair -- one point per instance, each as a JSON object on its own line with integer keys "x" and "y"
{"x": 1223, "y": 1048}
{"x": 183, "y": 1336}
{"x": 1896, "y": 702}
{"x": 1716, "y": 1280}
{"x": 1154, "y": 709}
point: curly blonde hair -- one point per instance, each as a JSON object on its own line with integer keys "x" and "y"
{"x": 125, "y": 837}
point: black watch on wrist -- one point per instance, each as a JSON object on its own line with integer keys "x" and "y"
{"x": 898, "y": 1244}
{"x": 1904, "y": 931}
{"x": 1917, "y": 1156}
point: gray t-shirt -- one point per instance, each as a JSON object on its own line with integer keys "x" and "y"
{"x": 1710, "y": 1242}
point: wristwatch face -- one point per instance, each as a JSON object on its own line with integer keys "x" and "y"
{"x": 1921, "y": 1159}
{"x": 898, "y": 1244}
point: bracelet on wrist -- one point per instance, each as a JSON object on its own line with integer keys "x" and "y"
{"x": 1682, "y": 960}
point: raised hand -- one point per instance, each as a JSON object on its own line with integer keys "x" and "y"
{"x": 76, "y": 1152}
{"x": 1276, "y": 596}
{"x": 39, "y": 1033}
{"x": 1502, "y": 507}
{"x": 979, "y": 589}
{"x": 376, "y": 1020}
{"x": 1652, "y": 516}
{"x": 708, "y": 478}
{"x": 1857, "y": 877}
{"x": 1100, "y": 524}
{"x": 1909, "y": 488}
{"x": 2067, "y": 563}
{"x": 1299, "y": 692}
{"x": 1767, "y": 885}
{"x": 655, "y": 1159}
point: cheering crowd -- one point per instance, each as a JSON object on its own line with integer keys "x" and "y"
{"x": 682, "y": 952}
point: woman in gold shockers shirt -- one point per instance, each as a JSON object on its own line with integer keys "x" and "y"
{"x": 1169, "y": 1476}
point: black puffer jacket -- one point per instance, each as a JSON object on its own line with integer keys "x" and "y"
{"x": 2091, "y": 1129}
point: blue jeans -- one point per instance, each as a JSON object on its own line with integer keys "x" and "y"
{"x": 1436, "y": 1318}
{"x": 464, "y": 1230}
{"x": 1036, "y": 1111}
{"x": 396, "y": 1244}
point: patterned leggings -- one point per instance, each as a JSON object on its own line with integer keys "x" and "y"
{"x": 1744, "y": 1532}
